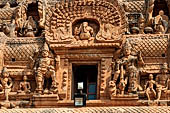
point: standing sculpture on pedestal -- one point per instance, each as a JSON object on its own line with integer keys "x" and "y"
{"x": 162, "y": 81}
{"x": 6, "y": 83}
{"x": 149, "y": 87}
{"x": 44, "y": 72}
{"x": 123, "y": 69}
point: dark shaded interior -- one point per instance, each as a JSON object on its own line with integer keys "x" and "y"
{"x": 88, "y": 75}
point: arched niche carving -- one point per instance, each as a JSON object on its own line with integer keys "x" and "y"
{"x": 59, "y": 19}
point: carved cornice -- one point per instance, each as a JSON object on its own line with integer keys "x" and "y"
{"x": 97, "y": 45}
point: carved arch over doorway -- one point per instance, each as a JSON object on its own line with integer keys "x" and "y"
{"x": 60, "y": 18}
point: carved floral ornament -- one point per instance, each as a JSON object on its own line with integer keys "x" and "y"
{"x": 95, "y": 21}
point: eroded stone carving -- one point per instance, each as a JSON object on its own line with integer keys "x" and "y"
{"x": 9, "y": 29}
{"x": 64, "y": 82}
{"x": 141, "y": 24}
{"x": 128, "y": 68}
{"x": 149, "y": 87}
{"x": 84, "y": 32}
{"x": 42, "y": 4}
{"x": 62, "y": 34}
{"x": 44, "y": 71}
{"x": 109, "y": 32}
{"x": 161, "y": 23}
{"x": 6, "y": 83}
{"x": 162, "y": 81}
{"x": 24, "y": 87}
{"x": 112, "y": 88}
{"x": 29, "y": 28}
{"x": 134, "y": 84}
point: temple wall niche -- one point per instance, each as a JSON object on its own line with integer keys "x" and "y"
{"x": 91, "y": 22}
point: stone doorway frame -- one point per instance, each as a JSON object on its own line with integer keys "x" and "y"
{"x": 85, "y": 62}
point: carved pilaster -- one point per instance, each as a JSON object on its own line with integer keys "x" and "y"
{"x": 64, "y": 78}
{"x": 69, "y": 81}
{"x": 105, "y": 76}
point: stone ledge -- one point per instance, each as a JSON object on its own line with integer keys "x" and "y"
{"x": 122, "y": 109}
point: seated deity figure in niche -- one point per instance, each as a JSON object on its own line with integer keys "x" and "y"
{"x": 45, "y": 72}
{"x": 24, "y": 86}
{"x": 84, "y": 32}
{"x": 162, "y": 81}
{"x": 123, "y": 68}
{"x": 29, "y": 28}
{"x": 160, "y": 23}
{"x": 149, "y": 87}
{"x": 6, "y": 83}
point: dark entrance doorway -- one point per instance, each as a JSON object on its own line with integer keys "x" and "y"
{"x": 88, "y": 75}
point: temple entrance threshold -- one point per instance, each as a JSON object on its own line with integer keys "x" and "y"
{"x": 88, "y": 75}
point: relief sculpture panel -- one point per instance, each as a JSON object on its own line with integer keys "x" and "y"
{"x": 117, "y": 49}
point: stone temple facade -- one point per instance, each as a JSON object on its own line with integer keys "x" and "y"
{"x": 119, "y": 49}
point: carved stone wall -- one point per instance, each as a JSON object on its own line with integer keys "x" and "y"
{"x": 62, "y": 16}
{"x": 42, "y": 40}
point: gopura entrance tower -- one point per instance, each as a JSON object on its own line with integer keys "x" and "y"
{"x": 119, "y": 49}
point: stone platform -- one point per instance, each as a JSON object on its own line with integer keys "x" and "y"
{"x": 153, "y": 109}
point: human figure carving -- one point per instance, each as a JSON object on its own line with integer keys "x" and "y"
{"x": 45, "y": 71}
{"x": 123, "y": 65}
{"x": 161, "y": 23}
{"x": 141, "y": 24}
{"x": 29, "y": 28}
{"x": 9, "y": 30}
{"x": 24, "y": 87}
{"x": 6, "y": 83}
{"x": 162, "y": 81}
{"x": 84, "y": 32}
{"x": 149, "y": 87}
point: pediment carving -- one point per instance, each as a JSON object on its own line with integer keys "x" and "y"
{"x": 103, "y": 22}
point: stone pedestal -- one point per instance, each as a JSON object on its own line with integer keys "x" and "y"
{"x": 125, "y": 99}
{"x": 44, "y": 101}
